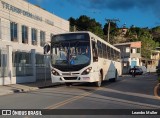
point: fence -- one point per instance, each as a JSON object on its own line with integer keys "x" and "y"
{"x": 42, "y": 67}
{"x": 22, "y": 66}
{"x": 3, "y": 63}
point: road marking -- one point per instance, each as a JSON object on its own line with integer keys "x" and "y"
{"x": 130, "y": 93}
{"x": 72, "y": 99}
{"x": 128, "y": 102}
{"x": 54, "y": 106}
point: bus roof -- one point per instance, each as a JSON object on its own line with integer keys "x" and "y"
{"x": 91, "y": 34}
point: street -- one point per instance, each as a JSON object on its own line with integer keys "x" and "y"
{"x": 126, "y": 93}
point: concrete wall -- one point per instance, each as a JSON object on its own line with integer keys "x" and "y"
{"x": 49, "y": 23}
{"x": 24, "y": 13}
{"x": 38, "y": 73}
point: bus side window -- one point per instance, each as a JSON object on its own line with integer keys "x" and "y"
{"x": 94, "y": 51}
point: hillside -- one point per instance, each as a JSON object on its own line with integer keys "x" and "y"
{"x": 150, "y": 37}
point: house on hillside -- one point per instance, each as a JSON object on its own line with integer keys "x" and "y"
{"x": 130, "y": 55}
{"x": 154, "y": 62}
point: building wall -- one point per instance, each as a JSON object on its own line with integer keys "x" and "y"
{"x": 24, "y": 13}
{"x": 155, "y": 57}
{"x": 130, "y": 55}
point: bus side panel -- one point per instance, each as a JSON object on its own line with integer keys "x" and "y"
{"x": 118, "y": 66}
{"x": 95, "y": 72}
{"x": 104, "y": 66}
{"x": 109, "y": 68}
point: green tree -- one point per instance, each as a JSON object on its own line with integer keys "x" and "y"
{"x": 156, "y": 33}
{"x": 85, "y": 23}
{"x": 96, "y": 28}
{"x": 72, "y": 23}
{"x": 148, "y": 44}
{"x": 113, "y": 32}
{"x": 136, "y": 32}
{"x": 113, "y": 28}
{"x": 144, "y": 35}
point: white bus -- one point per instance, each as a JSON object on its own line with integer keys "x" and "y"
{"x": 83, "y": 57}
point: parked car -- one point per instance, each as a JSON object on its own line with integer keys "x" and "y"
{"x": 138, "y": 71}
{"x": 144, "y": 69}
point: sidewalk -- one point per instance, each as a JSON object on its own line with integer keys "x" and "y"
{"x": 26, "y": 87}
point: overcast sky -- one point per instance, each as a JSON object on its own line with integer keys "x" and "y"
{"x": 141, "y": 13}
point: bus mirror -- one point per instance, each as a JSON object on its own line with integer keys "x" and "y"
{"x": 46, "y": 48}
{"x": 95, "y": 55}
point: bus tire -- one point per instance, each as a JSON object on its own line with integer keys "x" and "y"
{"x": 99, "y": 82}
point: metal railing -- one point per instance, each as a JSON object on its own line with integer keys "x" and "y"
{"x": 22, "y": 65}
{"x": 3, "y": 62}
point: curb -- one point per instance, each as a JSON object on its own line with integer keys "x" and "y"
{"x": 49, "y": 86}
{"x": 29, "y": 89}
{"x": 24, "y": 90}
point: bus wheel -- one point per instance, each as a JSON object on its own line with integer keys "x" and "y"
{"x": 99, "y": 82}
{"x": 68, "y": 84}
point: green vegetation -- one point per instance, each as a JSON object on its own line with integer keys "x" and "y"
{"x": 84, "y": 23}
{"x": 150, "y": 38}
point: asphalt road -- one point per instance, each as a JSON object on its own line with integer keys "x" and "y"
{"x": 126, "y": 93}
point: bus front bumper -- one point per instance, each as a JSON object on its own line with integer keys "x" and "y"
{"x": 76, "y": 79}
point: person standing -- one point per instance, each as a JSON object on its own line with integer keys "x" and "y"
{"x": 134, "y": 71}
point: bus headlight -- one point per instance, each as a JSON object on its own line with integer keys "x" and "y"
{"x": 87, "y": 71}
{"x": 54, "y": 72}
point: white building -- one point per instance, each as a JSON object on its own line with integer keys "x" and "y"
{"x": 24, "y": 28}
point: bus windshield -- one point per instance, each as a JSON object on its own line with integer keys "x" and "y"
{"x": 70, "y": 51}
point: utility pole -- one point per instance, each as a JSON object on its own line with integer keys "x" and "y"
{"x": 109, "y": 21}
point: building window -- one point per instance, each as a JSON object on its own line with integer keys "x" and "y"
{"x": 138, "y": 50}
{"x": 24, "y": 34}
{"x": 133, "y": 50}
{"x": 34, "y": 36}
{"x": 127, "y": 49}
{"x": 14, "y": 31}
{"x": 42, "y": 38}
